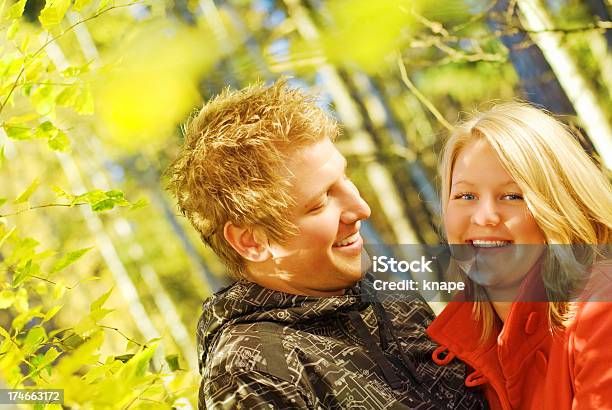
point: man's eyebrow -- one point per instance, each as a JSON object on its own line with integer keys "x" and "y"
{"x": 312, "y": 198}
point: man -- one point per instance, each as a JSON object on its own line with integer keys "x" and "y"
{"x": 262, "y": 182}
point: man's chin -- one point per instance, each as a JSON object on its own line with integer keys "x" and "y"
{"x": 354, "y": 275}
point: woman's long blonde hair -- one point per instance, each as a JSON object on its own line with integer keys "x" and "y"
{"x": 568, "y": 195}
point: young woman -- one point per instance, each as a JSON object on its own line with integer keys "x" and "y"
{"x": 529, "y": 215}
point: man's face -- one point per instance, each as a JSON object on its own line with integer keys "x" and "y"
{"x": 324, "y": 258}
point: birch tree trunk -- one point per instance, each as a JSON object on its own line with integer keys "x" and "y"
{"x": 570, "y": 77}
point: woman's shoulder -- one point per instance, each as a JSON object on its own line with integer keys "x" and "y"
{"x": 591, "y": 321}
{"x": 598, "y": 284}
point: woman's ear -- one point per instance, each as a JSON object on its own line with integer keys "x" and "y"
{"x": 249, "y": 242}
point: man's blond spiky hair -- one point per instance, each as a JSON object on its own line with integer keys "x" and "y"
{"x": 232, "y": 166}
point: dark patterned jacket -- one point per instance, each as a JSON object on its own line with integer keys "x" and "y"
{"x": 263, "y": 349}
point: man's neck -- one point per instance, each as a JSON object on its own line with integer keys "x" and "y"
{"x": 276, "y": 282}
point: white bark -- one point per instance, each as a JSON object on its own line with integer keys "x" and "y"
{"x": 570, "y": 77}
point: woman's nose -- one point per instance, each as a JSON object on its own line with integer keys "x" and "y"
{"x": 486, "y": 213}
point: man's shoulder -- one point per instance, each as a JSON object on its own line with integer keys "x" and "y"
{"x": 409, "y": 311}
{"x": 245, "y": 347}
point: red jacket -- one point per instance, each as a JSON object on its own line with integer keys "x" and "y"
{"x": 524, "y": 365}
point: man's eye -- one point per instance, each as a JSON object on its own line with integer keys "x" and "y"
{"x": 318, "y": 206}
{"x": 513, "y": 197}
{"x": 466, "y": 195}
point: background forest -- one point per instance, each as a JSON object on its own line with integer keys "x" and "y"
{"x": 101, "y": 279}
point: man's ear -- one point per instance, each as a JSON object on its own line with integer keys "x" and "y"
{"x": 249, "y": 242}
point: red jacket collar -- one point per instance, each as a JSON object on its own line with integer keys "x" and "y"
{"x": 524, "y": 331}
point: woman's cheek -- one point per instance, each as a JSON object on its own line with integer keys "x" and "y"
{"x": 454, "y": 224}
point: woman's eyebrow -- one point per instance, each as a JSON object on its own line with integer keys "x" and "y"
{"x": 511, "y": 182}
{"x": 461, "y": 181}
{"x": 503, "y": 184}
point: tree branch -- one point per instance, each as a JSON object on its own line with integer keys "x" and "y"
{"x": 51, "y": 40}
{"x": 41, "y": 206}
{"x": 420, "y": 96}
{"x": 122, "y": 334}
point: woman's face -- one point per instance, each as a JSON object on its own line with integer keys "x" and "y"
{"x": 487, "y": 217}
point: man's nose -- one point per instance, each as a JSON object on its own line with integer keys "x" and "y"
{"x": 486, "y": 213}
{"x": 354, "y": 206}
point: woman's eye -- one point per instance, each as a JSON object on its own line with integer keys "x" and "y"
{"x": 513, "y": 197}
{"x": 467, "y": 196}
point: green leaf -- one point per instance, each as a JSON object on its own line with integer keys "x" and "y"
{"x": 16, "y": 10}
{"x": 98, "y": 303}
{"x": 59, "y": 142}
{"x": 141, "y": 203}
{"x": 4, "y": 333}
{"x": 43, "y": 99}
{"x": 41, "y": 288}
{"x": 124, "y": 358}
{"x": 60, "y": 192}
{"x": 85, "y": 353}
{"x": 86, "y": 326}
{"x": 68, "y": 259}
{"x": 24, "y": 250}
{"x": 2, "y": 156}
{"x": 84, "y": 102}
{"x": 103, "y": 5}
{"x": 45, "y": 130}
{"x": 35, "y": 337}
{"x": 43, "y": 255}
{"x": 104, "y": 205}
{"x": 52, "y": 312}
{"x": 99, "y": 314}
{"x": 132, "y": 345}
{"x": 75, "y": 71}
{"x": 90, "y": 197}
{"x": 114, "y": 194}
{"x": 73, "y": 340}
{"x": 22, "y": 274}
{"x": 173, "y": 362}
{"x": 59, "y": 289}
{"x": 6, "y": 235}
{"x": 48, "y": 358}
{"x": 118, "y": 197}
{"x": 79, "y": 4}
{"x": 2, "y": 201}
{"x": 7, "y": 298}
{"x": 56, "y": 332}
{"x": 25, "y": 43}
{"x": 104, "y": 201}
{"x": 25, "y": 195}
{"x": 12, "y": 30}
{"x": 137, "y": 365}
{"x": 68, "y": 96}
{"x": 53, "y": 13}
{"x": 24, "y": 317}
{"x": 21, "y": 303}
{"x": 17, "y": 132}
{"x": 99, "y": 372}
